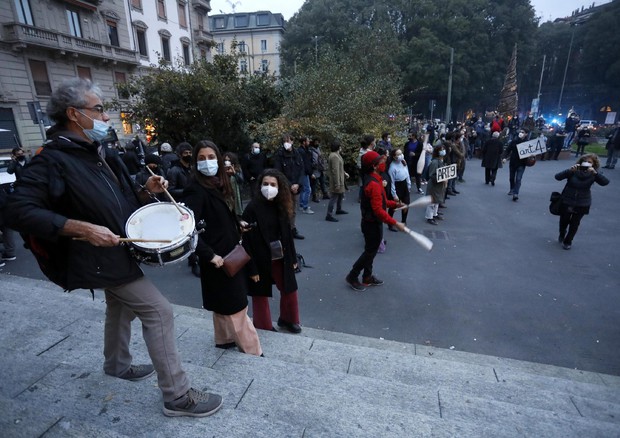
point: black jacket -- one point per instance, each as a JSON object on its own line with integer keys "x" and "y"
{"x": 306, "y": 156}
{"x": 257, "y": 242}
{"x": 290, "y": 164}
{"x": 220, "y": 293}
{"x": 576, "y": 192}
{"x": 178, "y": 177}
{"x": 68, "y": 180}
{"x": 512, "y": 152}
{"x": 253, "y": 165}
{"x": 492, "y": 153}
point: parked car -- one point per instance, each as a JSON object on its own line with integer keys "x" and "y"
{"x": 6, "y": 179}
{"x": 592, "y": 125}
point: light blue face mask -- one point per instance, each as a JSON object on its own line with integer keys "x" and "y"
{"x": 442, "y": 153}
{"x": 99, "y": 130}
{"x": 207, "y": 167}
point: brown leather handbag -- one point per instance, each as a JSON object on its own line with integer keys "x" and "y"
{"x": 235, "y": 260}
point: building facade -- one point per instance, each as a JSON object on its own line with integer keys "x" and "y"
{"x": 257, "y": 36}
{"x": 42, "y": 43}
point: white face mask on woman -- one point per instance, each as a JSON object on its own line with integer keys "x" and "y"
{"x": 269, "y": 192}
{"x": 207, "y": 167}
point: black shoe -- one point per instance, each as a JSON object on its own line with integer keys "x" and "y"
{"x": 226, "y": 346}
{"x": 446, "y": 197}
{"x": 355, "y": 284}
{"x": 341, "y": 212}
{"x": 296, "y": 234}
{"x": 196, "y": 270}
{"x": 138, "y": 372}
{"x": 438, "y": 218}
{"x": 515, "y": 198}
{"x": 391, "y": 228}
{"x": 372, "y": 281}
{"x": 315, "y": 200}
{"x": 606, "y": 167}
{"x": 456, "y": 192}
{"x": 493, "y": 183}
{"x": 330, "y": 218}
{"x": 326, "y": 197}
{"x": 486, "y": 182}
{"x": 432, "y": 221}
{"x": 566, "y": 246}
{"x": 443, "y": 206}
{"x": 290, "y": 326}
{"x": 439, "y": 213}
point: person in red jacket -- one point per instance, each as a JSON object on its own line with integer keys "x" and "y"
{"x": 374, "y": 205}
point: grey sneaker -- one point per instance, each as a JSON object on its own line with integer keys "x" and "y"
{"x": 193, "y": 404}
{"x": 138, "y": 372}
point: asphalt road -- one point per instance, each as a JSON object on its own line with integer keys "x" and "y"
{"x": 497, "y": 281}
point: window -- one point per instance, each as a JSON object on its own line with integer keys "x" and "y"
{"x": 161, "y": 9}
{"x": 119, "y": 79}
{"x": 200, "y": 21}
{"x": 74, "y": 23}
{"x": 242, "y": 47}
{"x": 242, "y": 20}
{"x": 165, "y": 48}
{"x": 220, "y": 48}
{"x": 182, "y": 16}
{"x": 84, "y": 73}
{"x": 262, "y": 20}
{"x": 243, "y": 66}
{"x": 220, "y": 22}
{"x": 113, "y": 33}
{"x": 136, "y": 4}
{"x": 264, "y": 65}
{"x": 263, "y": 45}
{"x": 141, "y": 36}
{"x": 186, "y": 58}
{"x": 40, "y": 78}
{"x": 24, "y": 14}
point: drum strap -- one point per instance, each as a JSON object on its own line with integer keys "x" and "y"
{"x": 101, "y": 153}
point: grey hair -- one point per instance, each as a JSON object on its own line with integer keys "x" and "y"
{"x": 70, "y": 93}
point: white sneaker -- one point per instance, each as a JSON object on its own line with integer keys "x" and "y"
{"x": 307, "y": 210}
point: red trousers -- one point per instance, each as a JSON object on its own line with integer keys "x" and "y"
{"x": 289, "y": 309}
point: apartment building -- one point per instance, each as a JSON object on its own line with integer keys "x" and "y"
{"x": 257, "y": 36}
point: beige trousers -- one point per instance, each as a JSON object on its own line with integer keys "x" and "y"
{"x": 237, "y": 328}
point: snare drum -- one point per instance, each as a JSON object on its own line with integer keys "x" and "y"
{"x": 162, "y": 221}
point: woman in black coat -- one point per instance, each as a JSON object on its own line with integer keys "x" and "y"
{"x": 271, "y": 245}
{"x": 210, "y": 197}
{"x": 492, "y": 158}
{"x": 576, "y": 197}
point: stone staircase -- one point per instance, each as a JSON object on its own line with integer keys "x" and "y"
{"x": 318, "y": 384}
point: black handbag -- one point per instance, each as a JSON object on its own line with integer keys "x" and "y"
{"x": 555, "y": 203}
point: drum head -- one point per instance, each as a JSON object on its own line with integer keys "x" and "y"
{"x": 160, "y": 221}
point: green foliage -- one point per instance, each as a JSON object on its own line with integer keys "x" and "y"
{"x": 208, "y": 100}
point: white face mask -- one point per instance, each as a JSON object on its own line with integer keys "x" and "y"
{"x": 99, "y": 130}
{"x": 256, "y": 151}
{"x": 227, "y": 163}
{"x": 398, "y": 157}
{"x": 207, "y": 167}
{"x": 269, "y": 192}
{"x": 586, "y": 164}
{"x": 288, "y": 146}
{"x": 521, "y": 135}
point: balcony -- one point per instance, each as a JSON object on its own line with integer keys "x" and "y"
{"x": 205, "y": 5}
{"x": 203, "y": 37}
{"x": 20, "y": 36}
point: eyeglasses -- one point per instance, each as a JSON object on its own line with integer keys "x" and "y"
{"x": 98, "y": 108}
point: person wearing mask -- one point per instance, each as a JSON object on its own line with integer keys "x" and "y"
{"x": 373, "y": 207}
{"x": 211, "y": 198}
{"x": 385, "y": 142}
{"x": 153, "y": 163}
{"x": 233, "y": 170}
{"x": 253, "y": 164}
{"x": 366, "y": 144}
{"x": 306, "y": 176}
{"x": 337, "y": 177}
{"x": 583, "y": 137}
{"x": 436, "y": 190}
{"x": 74, "y": 199}
{"x": 131, "y": 159}
{"x": 400, "y": 184}
{"x": 517, "y": 165}
{"x": 271, "y": 245}
{"x": 288, "y": 161}
{"x": 167, "y": 157}
{"x": 491, "y": 158}
{"x": 576, "y": 196}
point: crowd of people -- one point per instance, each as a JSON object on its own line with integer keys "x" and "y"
{"x": 75, "y": 196}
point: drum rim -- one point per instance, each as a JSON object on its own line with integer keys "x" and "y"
{"x": 164, "y": 247}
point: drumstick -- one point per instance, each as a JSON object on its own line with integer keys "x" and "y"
{"x": 420, "y": 238}
{"x": 168, "y": 193}
{"x": 421, "y": 202}
{"x": 128, "y": 239}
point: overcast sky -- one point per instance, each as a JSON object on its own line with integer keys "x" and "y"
{"x": 547, "y": 9}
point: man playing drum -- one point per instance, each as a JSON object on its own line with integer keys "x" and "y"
{"x": 75, "y": 198}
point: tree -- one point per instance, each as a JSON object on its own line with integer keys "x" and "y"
{"x": 208, "y": 100}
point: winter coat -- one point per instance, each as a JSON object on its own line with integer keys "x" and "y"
{"x": 435, "y": 189}
{"x": 512, "y": 152}
{"x": 290, "y": 164}
{"x": 178, "y": 178}
{"x": 253, "y": 165}
{"x": 492, "y": 153}
{"x": 306, "y": 156}
{"x": 576, "y": 192}
{"x": 69, "y": 180}
{"x": 335, "y": 170}
{"x": 256, "y": 243}
{"x": 220, "y": 293}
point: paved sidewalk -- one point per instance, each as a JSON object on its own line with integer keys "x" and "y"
{"x": 318, "y": 384}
